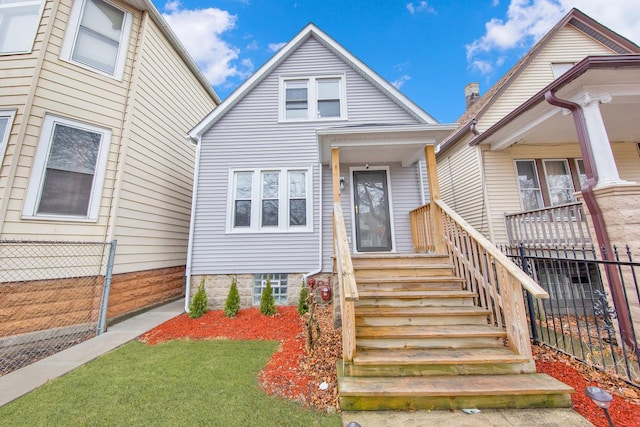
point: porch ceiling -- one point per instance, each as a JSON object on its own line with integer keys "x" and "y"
{"x": 544, "y": 123}
{"x": 381, "y": 143}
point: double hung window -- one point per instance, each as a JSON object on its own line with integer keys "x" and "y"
{"x": 270, "y": 200}
{"x": 19, "y": 21}
{"x": 97, "y": 36}
{"x": 548, "y": 182}
{"x": 6, "y": 119}
{"x": 313, "y": 98}
{"x": 68, "y": 170}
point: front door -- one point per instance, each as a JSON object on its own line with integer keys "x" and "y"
{"x": 372, "y": 219}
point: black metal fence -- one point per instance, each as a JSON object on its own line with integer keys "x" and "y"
{"x": 580, "y": 317}
{"x": 52, "y": 295}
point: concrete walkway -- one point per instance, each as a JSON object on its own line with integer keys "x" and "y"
{"x": 22, "y": 381}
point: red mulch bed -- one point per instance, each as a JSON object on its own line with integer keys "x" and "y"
{"x": 293, "y": 373}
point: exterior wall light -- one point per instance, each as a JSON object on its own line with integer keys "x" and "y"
{"x": 602, "y": 399}
{"x": 342, "y": 183}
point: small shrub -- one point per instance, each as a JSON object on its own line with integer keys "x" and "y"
{"x": 267, "y": 301}
{"x": 198, "y": 306}
{"x": 303, "y": 305}
{"x": 232, "y": 304}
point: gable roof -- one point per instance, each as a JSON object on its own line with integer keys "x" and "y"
{"x": 575, "y": 18}
{"x": 307, "y": 32}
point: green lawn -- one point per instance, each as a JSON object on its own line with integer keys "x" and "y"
{"x": 178, "y": 383}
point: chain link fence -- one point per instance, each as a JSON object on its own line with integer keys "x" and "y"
{"x": 53, "y": 295}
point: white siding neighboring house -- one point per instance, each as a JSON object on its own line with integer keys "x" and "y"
{"x": 263, "y": 197}
{"x": 122, "y": 103}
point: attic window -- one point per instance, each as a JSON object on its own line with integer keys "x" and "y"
{"x": 559, "y": 68}
{"x": 313, "y": 98}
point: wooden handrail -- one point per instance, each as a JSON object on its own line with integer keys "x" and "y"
{"x": 526, "y": 282}
{"x": 346, "y": 283}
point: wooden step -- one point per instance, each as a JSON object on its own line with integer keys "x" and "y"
{"x": 403, "y": 270}
{"x": 416, "y": 298}
{"x": 409, "y": 283}
{"x": 400, "y": 316}
{"x": 438, "y": 336}
{"x": 383, "y": 260}
{"x": 451, "y": 392}
{"x": 439, "y": 361}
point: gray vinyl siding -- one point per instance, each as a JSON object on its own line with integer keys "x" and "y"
{"x": 250, "y": 136}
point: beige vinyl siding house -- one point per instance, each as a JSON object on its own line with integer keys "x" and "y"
{"x": 138, "y": 95}
{"x": 482, "y": 179}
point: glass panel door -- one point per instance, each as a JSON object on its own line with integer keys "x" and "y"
{"x": 373, "y": 226}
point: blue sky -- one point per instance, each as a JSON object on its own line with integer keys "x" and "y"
{"x": 428, "y": 49}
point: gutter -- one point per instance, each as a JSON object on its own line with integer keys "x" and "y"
{"x": 604, "y": 244}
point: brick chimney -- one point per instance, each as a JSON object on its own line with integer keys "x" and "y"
{"x": 471, "y": 93}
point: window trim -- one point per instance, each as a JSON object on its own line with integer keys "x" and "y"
{"x": 4, "y": 139}
{"x": 36, "y": 181}
{"x": 71, "y": 37}
{"x": 35, "y": 32}
{"x": 312, "y": 97}
{"x": 256, "y": 199}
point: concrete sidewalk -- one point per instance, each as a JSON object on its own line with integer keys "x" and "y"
{"x": 24, "y": 380}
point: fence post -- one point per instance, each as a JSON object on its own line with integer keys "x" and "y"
{"x": 104, "y": 303}
{"x": 530, "y": 302}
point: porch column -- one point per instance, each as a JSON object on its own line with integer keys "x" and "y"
{"x": 434, "y": 194}
{"x": 605, "y": 163}
{"x": 335, "y": 173}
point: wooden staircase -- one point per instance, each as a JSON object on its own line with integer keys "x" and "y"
{"x": 422, "y": 343}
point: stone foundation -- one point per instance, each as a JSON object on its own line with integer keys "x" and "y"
{"x": 217, "y": 288}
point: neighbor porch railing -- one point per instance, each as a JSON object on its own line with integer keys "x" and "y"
{"x": 346, "y": 283}
{"x": 487, "y": 271}
{"x": 564, "y": 225}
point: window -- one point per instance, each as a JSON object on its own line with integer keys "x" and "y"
{"x": 315, "y": 98}
{"x": 68, "y": 170}
{"x": 6, "y": 119}
{"x": 278, "y": 286}
{"x": 559, "y": 68}
{"x": 559, "y": 183}
{"x": 97, "y": 36}
{"x": 529, "y": 184}
{"x": 19, "y": 21}
{"x": 270, "y": 200}
{"x": 582, "y": 173}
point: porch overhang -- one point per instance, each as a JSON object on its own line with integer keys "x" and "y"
{"x": 380, "y": 143}
{"x": 613, "y": 81}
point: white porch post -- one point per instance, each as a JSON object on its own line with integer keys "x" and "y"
{"x": 605, "y": 163}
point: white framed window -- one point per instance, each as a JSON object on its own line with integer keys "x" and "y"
{"x": 97, "y": 37}
{"x": 582, "y": 172}
{"x": 529, "y": 185}
{"x": 6, "y": 120}
{"x": 313, "y": 98}
{"x": 270, "y": 200}
{"x": 19, "y": 21}
{"x": 559, "y": 182}
{"x": 278, "y": 287}
{"x": 68, "y": 171}
{"x": 559, "y": 68}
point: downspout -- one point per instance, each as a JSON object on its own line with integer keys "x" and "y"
{"x": 319, "y": 269}
{"x": 192, "y": 220}
{"x": 604, "y": 244}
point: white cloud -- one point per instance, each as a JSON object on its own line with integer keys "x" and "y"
{"x": 421, "y": 6}
{"x": 529, "y": 20}
{"x": 274, "y": 47}
{"x": 201, "y": 30}
{"x": 398, "y": 83}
